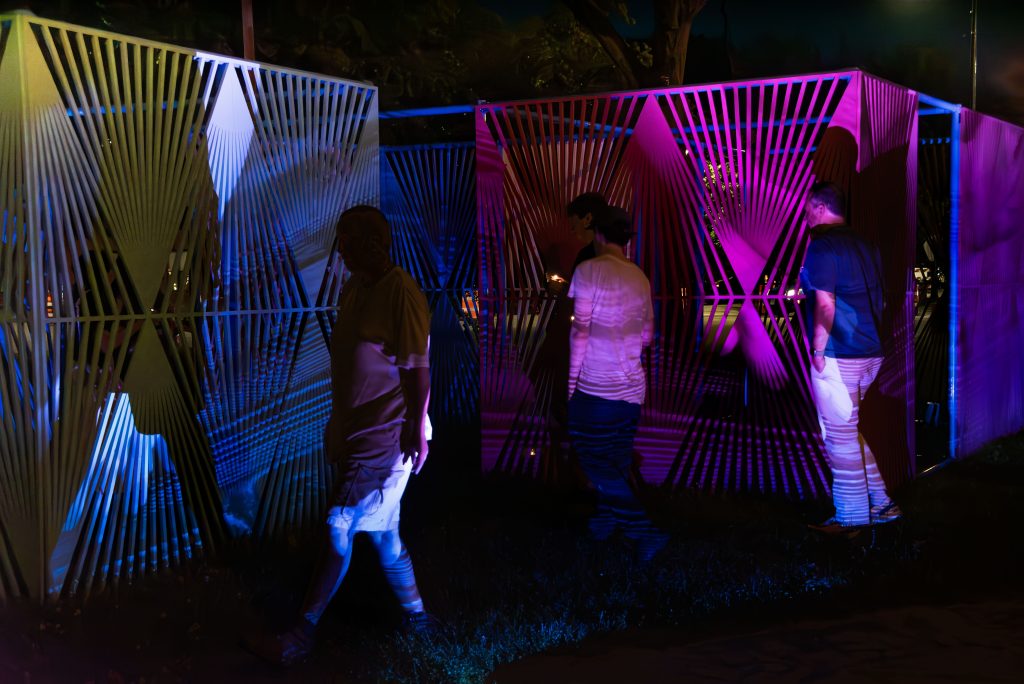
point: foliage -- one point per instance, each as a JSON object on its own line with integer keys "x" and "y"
{"x": 559, "y": 56}
{"x": 419, "y": 52}
{"x": 438, "y": 51}
{"x": 432, "y": 52}
{"x": 659, "y": 61}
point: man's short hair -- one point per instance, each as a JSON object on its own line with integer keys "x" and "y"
{"x": 615, "y": 225}
{"x": 830, "y": 196}
{"x": 369, "y": 221}
{"x": 587, "y": 203}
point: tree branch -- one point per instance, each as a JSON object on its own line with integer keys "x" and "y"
{"x": 595, "y": 19}
{"x": 673, "y": 20}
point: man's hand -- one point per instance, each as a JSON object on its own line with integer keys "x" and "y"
{"x": 414, "y": 445}
{"x": 818, "y": 362}
{"x": 824, "y": 316}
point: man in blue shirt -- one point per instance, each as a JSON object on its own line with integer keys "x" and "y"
{"x": 842, "y": 282}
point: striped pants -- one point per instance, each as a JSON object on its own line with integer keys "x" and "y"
{"x": 602, "y": 433}
{"x": 857, "y": 484}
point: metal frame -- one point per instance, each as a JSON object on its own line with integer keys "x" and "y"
{"x": 428, "y": 194}
{"x": 939, "y": 107}
{"x": 168, "y": 279}
{"x": 541, "y": 149}
{"x": 167, "y": 288}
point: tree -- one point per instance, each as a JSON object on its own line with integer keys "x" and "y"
{"x": 419, "y": 52}
{"x": 673, "y": 20}
{"x": 665, "y": 64}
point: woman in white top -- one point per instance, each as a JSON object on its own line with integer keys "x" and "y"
{"x": 613, "y": 321}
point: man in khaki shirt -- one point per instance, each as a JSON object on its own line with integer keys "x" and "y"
{"x": 378, "y": 431}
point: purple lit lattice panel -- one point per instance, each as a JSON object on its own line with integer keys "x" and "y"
{"x": 715, "y": 177}
{"x": 991, "y": 310}
{"x": 532, "y": 159}
{"x": 870, "y": 150}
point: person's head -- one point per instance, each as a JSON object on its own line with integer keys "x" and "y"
{"x": 364, "y": 239}
{"x": 825, "y": 205}
{"x": 612, "y": 225}
{"x": 582, "y": 211}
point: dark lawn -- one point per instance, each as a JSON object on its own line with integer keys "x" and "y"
{"x": 505, "y": 566}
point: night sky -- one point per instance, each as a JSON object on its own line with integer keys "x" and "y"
{"x": 869, "y": 34}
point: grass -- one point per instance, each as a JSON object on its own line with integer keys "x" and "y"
{"x": 507, "y": 569}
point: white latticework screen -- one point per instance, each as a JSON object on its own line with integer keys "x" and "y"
{"x": 166, "y": 287}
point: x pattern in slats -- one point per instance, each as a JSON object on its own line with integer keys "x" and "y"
{"x": 714, "y": 177}
{"x": 428, "y": 194}
{"x": 166, "y": 291}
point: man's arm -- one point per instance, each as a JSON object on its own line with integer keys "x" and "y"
{"x": 412, "y": 354}
{"x": 824, "y": 315}
{"x": 416, "y": 389}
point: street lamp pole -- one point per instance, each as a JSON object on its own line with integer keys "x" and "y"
{"x": 974, "y": 54}
{"x": 248, "y": 43}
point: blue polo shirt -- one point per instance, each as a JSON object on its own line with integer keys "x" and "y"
{"x": 841, "y": 262}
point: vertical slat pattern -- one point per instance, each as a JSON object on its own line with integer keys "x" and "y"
{"x": 715, "y": 178}
{"x": 428, "y": 193}
{"x": 165, "y": 249}
{"x": 744, "y": 157}
{"x": 548, "y": 153}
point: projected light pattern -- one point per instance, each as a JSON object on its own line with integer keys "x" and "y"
{"x": 714, "y": 177}
{"x": 132, "y": 478}
{"x": 166, "y": 290}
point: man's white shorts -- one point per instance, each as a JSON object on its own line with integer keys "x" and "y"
{"x": 369, "y": 499}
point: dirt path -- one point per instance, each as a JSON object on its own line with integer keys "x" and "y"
{"x": 958, "y": 643}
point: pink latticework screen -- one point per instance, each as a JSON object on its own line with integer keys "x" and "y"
{"x": 990, "y": 387}
{"x": 714, "y": 177}
{"x": 871, "y": 151}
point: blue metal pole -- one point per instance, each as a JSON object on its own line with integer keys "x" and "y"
{"x": 427, "y": 111}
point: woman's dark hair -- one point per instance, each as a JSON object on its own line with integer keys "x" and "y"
{"x": 615, "y": 225}
{"x": 588, "y": 203}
